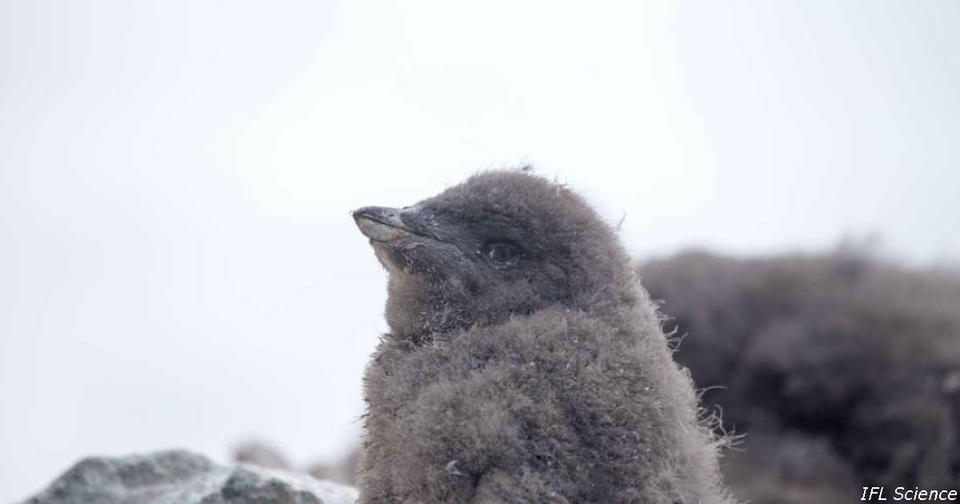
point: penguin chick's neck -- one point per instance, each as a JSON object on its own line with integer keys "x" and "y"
{"x": 419, "y": 307}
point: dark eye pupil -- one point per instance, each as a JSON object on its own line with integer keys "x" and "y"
{"x": 500, "y": 253}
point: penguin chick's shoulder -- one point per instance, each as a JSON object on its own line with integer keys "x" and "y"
{"x": 524, "y": 362}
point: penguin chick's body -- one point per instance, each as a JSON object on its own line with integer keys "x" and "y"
{"x": 524, "y": 363}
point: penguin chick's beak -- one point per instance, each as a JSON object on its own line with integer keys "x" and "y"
{"x": 381, "y": 224}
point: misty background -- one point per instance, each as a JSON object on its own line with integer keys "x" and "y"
{"x": 178, "y": 267}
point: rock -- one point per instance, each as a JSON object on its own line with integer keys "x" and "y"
{"x": 344, "y": 471}
{"x": 181, "y": 477}
{"x": 260, "y": 453}
{"x": 842, "y": 370}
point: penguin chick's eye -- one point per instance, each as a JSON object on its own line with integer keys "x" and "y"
{"x": 501, "y": 253}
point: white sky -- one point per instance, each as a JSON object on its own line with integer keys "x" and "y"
{"x": 177, "y": 263}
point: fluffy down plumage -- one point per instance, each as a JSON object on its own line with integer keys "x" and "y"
{"x": 524, "y": 361}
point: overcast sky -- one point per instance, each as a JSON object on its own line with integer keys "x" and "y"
{"x": 178, "y": 266}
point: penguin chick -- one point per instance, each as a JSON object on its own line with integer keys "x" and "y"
{"x": 524, "y": 362}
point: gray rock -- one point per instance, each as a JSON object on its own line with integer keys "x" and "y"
{"x": 181, "y": 477}
{"x": 260, "y": 453}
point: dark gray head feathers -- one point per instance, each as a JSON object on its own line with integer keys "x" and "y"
{"x": 501, "y": 243}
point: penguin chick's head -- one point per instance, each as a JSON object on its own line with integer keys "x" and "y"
{"x": 501, "y": 243}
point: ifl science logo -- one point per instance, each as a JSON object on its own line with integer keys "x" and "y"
{"x": 915, "y": 494}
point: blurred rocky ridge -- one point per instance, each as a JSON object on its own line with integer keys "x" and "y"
{"x": 842, "y": 370}
{"x": 261, "y": 453}
{"x": 181, "y": 477}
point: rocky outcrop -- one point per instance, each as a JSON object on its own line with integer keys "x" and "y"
{"x": 181, "y": 477}
{"x": 262, "y": 454}
{"x": 843, "y": 370}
